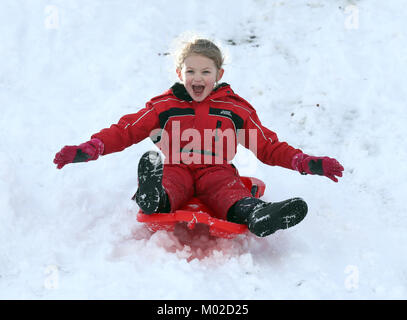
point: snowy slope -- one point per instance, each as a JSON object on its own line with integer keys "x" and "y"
{"x": 327, "y": 76}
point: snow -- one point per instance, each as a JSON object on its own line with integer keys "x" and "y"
{"x": 327, "y": 76}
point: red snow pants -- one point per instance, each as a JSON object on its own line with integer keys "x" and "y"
{"x": 217, "y": 186}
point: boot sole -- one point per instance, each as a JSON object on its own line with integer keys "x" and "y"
{"x": 277, "y": 216}
{"x": 150, "y": 190}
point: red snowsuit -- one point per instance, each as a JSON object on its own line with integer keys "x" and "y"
{"x": 199, "y": 140}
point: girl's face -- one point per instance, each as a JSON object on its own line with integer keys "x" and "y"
{"x": 199, "y": 75}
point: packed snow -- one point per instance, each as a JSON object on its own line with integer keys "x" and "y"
{"x": 327, "y": 76}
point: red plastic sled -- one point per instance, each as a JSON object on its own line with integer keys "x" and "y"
{"x": 196, "y": 212}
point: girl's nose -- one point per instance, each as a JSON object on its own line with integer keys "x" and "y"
{"x": 197, "y": 77}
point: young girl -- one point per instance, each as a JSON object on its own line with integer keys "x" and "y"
{"x": 189, "y": 123}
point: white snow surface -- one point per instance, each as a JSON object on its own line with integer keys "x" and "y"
{"x": 328, "y": 76}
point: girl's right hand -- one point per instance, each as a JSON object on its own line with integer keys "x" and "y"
{"x": 83, "y": 153}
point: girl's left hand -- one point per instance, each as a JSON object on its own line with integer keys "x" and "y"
{"x": 323, "y": 166}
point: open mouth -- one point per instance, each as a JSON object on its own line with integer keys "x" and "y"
{"x": 198, "y": 90}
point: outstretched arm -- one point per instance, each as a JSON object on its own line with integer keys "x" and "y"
{"x": 130, "y": 129}
{"x": 265, "y": 144}
{"x": 270, "y": 150}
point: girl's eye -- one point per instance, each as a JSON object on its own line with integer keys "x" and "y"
{"x": 192, "y": 72}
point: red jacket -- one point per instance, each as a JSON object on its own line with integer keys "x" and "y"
{"x": 204, "y": 132}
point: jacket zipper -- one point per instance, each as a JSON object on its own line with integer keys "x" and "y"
{"x": 218, "y": 125}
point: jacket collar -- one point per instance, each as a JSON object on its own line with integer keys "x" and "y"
{"x": 178, "y": 90}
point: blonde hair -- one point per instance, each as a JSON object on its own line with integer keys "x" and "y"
{"x": 202, "y": 47}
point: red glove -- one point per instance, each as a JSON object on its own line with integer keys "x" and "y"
{"x": 83, "y": 153}
{"x": 323, "y": 166}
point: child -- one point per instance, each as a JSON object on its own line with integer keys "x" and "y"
{"x": 194, "y": 108}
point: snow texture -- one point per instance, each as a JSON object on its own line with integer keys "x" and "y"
{"x": 327, "y": 76}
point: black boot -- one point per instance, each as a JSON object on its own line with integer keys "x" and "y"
{"x": 151, "y": 196}
{"x": 264, "y": 218}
